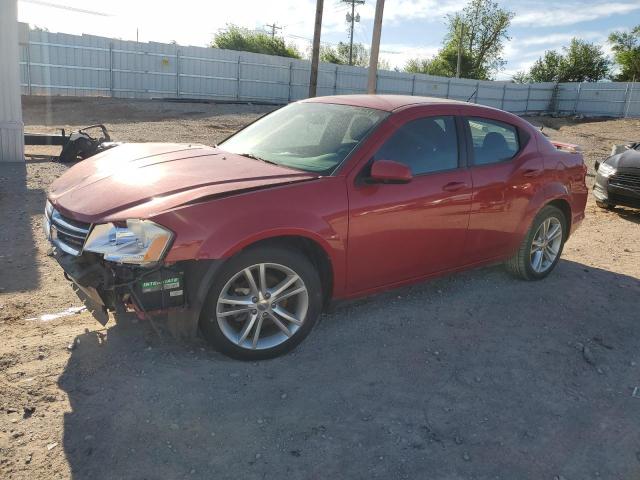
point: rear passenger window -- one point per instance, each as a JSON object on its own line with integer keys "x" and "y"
{"x": 492, "y": 141}
{"x": 425, "y": 145}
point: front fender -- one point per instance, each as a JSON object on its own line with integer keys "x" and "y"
{"x": 220, "y": 228}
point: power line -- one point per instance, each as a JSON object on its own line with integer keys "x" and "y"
{"x": 67, "y": 7}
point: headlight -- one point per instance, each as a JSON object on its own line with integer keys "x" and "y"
{"x": 606, "y": 170}
{"x": 48, "y": 209}
{"x": 141, "y": 242}
{"x": 46, "y": 221}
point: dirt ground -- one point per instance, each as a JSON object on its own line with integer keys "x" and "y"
{"x": 473, "y": 376}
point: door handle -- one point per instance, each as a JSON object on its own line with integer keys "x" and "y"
{"x": 454, "y": 186}
{"x": 532, "y": 172}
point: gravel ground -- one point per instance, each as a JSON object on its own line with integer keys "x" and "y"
{"x": 476, "y": 375}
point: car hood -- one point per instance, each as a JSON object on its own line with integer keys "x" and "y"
{"x": 139, "y": 180}
{"x": 627, "y": 159}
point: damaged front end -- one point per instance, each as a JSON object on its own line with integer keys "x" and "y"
{"x": 117, "y": 267}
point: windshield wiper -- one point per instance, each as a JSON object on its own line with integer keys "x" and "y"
{"x": 255, "y": 157}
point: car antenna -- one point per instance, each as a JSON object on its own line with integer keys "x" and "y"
{"x": 474, "y": 92}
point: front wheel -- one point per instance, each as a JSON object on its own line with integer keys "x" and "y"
{"x": 262, "y": 304}
{"x": 541, "y": 248}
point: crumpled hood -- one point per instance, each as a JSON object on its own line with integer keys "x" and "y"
{"x": 139, "y": 180}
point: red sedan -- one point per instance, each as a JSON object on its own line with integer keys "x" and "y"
{"x": 325, "y": 199}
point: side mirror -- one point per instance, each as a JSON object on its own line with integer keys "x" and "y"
{"x": 389, "y": 171}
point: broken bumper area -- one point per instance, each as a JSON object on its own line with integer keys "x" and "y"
{"x": 622, "y": 188}
{"x": 125, "y": 289}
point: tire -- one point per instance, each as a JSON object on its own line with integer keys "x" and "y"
{"x": 605, "y": 205}
{"x": 524, "y": 263}
{"x": 234, "y": 334}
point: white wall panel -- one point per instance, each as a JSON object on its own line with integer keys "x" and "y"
{"x": 62, "y": 64}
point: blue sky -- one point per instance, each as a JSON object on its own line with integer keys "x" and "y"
{"x": 411, "y": 28}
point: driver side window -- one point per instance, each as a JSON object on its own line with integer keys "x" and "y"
{"x": 425, "y": 145}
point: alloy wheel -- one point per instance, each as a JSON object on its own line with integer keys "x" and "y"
{"x": 546, "y": 245}
{"x": 262, "y": 306}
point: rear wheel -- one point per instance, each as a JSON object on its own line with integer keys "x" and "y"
{"x": 542, "y": 246}
{"x": 263, "y": 303}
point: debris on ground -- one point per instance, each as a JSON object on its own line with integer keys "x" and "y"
{"x": 28, "y": 411}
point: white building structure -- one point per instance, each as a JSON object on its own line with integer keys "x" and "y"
{"x": 11, "y": 126}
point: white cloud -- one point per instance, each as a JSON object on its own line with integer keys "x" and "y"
{"x": 559, "y": 38}
{"x": 428, "y": 10}
{"x": 195, "y": 21}
{"x": 571, "y": 13}
{"x": 398, "y": 54}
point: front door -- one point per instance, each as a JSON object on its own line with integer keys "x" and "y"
{"x": 399, "y": 232}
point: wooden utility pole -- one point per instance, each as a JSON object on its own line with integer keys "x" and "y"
{"x": 315, "y": 52}
{"x": 273, "y": 26}
{"x": 375, "y": 47}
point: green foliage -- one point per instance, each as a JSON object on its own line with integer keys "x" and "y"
{"x": 584, "y": 62}
{"x": 245, "y": 40}
{"x": 481, "y": 28}
{"x": 581, "y": 61}
{"x": 626, "y": 53}
{"x": 547, "y": 68}
{"x": 520, "y": 77}
{"x": 340, "y": 54}
{"x": 443, "y": 64}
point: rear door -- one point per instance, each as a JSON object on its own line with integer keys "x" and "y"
{"x": 399, "y": 232}
{"x": 506, "y": 170}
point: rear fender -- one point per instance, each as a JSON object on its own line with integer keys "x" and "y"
{"x": 544, "y": 196}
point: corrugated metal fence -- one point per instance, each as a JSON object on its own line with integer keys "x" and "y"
{"x": 63, "y": 64}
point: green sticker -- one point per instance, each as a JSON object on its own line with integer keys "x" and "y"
{"x": 157, "y": 285}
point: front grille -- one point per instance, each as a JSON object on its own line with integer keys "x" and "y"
{"x": 67, "y": 234}
{"x": 627, "y": 179}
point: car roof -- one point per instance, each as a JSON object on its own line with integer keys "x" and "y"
{"x": 387, "y": 103}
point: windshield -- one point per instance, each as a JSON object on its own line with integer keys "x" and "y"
{"x": 315, "y": 137}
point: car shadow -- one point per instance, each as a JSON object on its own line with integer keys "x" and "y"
{"x": 59, "y": 112}
{"x": 628, "y": 214}
{"x": 470, "y": 376}
{"x": 19, "y": 202}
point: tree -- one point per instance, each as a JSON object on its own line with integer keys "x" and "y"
{"x": 443, "y": 64}
{"x": 626, "y": 53}
{"x": 481, "y": 28}
{"x": 546, "y": 68}
{"x": 581, "y": 62}
{"x": 520, "y": 77}
{"x": 340, "y": 55}
{"x": 245, "y": 40}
